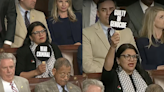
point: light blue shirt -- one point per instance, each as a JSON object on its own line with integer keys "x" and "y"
{"x": 61, "y": 89}
{"x": 22, "y": 11}
{"x": 105, "y": 29}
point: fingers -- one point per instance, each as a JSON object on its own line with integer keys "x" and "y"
{"x": 42, "y": 68}
{"x": 115, "y": 39}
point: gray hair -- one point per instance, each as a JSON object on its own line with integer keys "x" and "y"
{"x": 154, "y": 88}
{"x": 7, "y": 56}
{"x": 60, "y": 62}
{"x": 86, "y": 83}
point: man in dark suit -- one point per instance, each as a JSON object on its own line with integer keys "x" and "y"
{"x": 136, "y": 13}
{"x": 8, "y": 11}
{"x": 59, "y": 83}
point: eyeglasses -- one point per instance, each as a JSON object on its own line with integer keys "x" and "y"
{"x": 128, "y": 57}
{"x": 38, "y": 32}
{"x": 62, "y": 75}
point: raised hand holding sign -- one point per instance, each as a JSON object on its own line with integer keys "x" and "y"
{"x": 119, "y": 19}
{"x": 43, "y": 53}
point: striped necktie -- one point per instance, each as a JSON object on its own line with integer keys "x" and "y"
{"x": 27, "y": 23}
{"x": 13, "y": 88}
{"x": 64, "y": 89}
{"x": 109, "y": 36}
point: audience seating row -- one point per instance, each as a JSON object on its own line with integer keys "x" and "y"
{"x": 77, "y": 79}
{"x": 156, "y": 75}
{"x": 72, "y": 49}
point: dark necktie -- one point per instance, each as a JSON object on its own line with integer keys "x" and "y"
{"x": 27, "y": 23}
{"x": 64, "y": 89}
{"x": 109, "y": 36}
{"x": 96, "y": 19}
{"x": 13, "y": 88}
{"x": 0, "y": 25}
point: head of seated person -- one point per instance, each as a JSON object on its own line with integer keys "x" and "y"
{"x": 63, "y": 9}
{"x": 62, "y": 71}
{"x": 154, "y": 88}
{"x": 153, "y": 25}
{"x": 7, "y": 66}
{"x": 27, "y": 4}
{"x": 92, "y": 85}
{"x": 127, "y": 58}
{"x": 147, "y": 2}
{"x": 37, "y": 33}
{"x": 104, "y": 9}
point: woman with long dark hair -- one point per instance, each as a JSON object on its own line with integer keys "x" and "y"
{"x": 122, "y": 71}
{"x": 28, "y": 65}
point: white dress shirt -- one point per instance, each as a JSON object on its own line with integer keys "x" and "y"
{"x": 22, "y": 11}
{"x": 93, "y": 13}
{"x": 105, "y": 29}
{"x": 144, "y": 7}
{"x": 7, "y": 86}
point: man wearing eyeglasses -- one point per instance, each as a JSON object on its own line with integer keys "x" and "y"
{"x": 59, "y": 83}
{"x": 26, "y": 14}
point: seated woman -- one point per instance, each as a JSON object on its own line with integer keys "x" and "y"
{"x": 65, "y": 26}
{"x": 151, "y": 43}
{"x": 125, "y": 75}
{"x": 28, "y": 65}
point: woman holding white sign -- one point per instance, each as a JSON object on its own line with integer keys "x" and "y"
{"x": 151, "y": 43}
{"x": 28, "y": 65}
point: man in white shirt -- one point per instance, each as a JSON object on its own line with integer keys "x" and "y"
{"x": 89, "y": 12}
{"x": 59, "y": 83}
{"x": 9, "y": 82}
{"x": 26, "y": 14}
{"x": 136, "y": 13}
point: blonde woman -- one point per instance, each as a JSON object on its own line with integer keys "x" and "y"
{"x": 151, "y": 43}
{"x": 65, "y": 26}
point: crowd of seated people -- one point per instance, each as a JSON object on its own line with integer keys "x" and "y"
{"x": 95, "y": 38}
{"x": 103, "y": 50}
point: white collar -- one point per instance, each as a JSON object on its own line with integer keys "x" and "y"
{"x": 61, "y": 89}
{"x": 144, "y": 7}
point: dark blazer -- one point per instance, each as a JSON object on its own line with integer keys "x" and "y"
{"x": 151, "y": 57}
{"x": 25, "y": 59}
{"x": 66, "y": 32}
{"x": 111, "y": 81}
{"x": 8, "y": 10}
{"x": 136, "y": 17}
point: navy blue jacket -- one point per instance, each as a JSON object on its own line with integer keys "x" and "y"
{"x": 151, "y": 57}
{"x": 66, "y": 32}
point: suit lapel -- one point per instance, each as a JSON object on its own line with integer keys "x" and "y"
{"x": 19, "y": 86}
{"x": 86, "y": 13}
{"x": 21, "y": 21}
{"x": 32, "y": 16}
{"x": 1, "y": 86}
{"x": 70, "y": 88}
{"x": 139, "y": 11}
{"x": 100, "y": 33}
{"x": 53, "y": 85}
